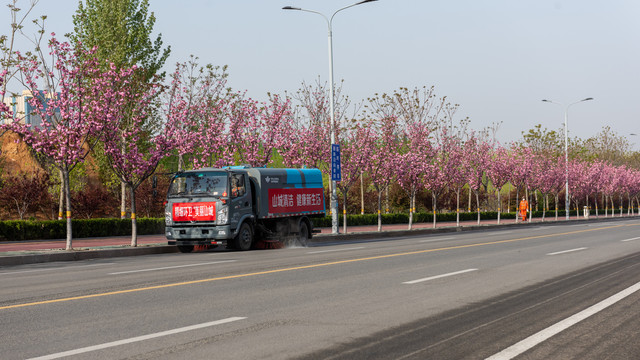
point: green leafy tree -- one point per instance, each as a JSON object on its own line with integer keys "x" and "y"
{"x": 121, "y": 32}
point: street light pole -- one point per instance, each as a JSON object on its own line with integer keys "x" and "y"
{"x": 334, "y": 191}
{"x": 566, "y": 151}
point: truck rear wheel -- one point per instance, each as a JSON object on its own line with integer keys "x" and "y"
{"x": 303, "y": 235}
{"x": 244, "y": 239}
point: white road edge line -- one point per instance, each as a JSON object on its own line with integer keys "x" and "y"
{"x": 334, "y": 250}
{"x": 72, "y": 267}
{"x": 439, "y": 276}
{"x": 136, "y": 339}
{"x": 535, "y": 339}
{"x": 632, "y": 239}
{"x": 567, "y": 251}
{"x": 171, "y": 267}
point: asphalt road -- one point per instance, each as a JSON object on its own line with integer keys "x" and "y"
{"x": 555, "y": 292}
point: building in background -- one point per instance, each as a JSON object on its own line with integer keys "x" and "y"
{"x": 22, "y": 109}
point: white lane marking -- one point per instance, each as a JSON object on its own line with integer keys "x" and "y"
{"x": 53, "y": 268}
{"x": 334, "y": 250}
{"x": 439, "y": 276}
{"x": 632, "y": 239}
{"x": 535, "y": 339}
{"x": 436, "y": 239}
{"x": 136, "y": 339}
{"x": 171, "y": 267}
{"x": 567, "y": 251}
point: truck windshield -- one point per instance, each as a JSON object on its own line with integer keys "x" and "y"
{"x": 206, "y": 183}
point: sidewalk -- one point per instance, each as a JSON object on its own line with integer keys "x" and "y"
{"x": 33, "y": 251}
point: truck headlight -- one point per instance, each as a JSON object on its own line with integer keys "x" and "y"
{"x": 168, "y": 220}
{"x": 222, "y": 216}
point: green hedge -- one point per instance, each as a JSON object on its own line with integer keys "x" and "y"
{"x": 57, "y": 229}
{"x": 82, "y": 228}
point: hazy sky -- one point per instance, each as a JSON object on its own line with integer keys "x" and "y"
{"x": 496, "y": 58}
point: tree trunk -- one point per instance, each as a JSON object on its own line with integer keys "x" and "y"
{"x": 613, "y": 207}
{"x": 433, "y": 194}
{"x": 556, "y": 196}
{"x": 499, "y": 204}
{"x": 361, "y": 194}
{"x": 67, "y": 197}
{"x": 134, "y": 223}
{"x": 517, "y": 205}
{"x": 526, "y": 191}
{"x": 478, "y": 204}
{"x": 180, "y": 163}
{"x": 61, "y": 198}
{"x": 380, "y": 210}
{"x": 458, "y": 207}
{"x": 123, "y": 200}
{"x": 344, "y": 212}
{"x": 621, "y": 204}
{"x": 386, "y": 201}
{"x": 412, "y": 199}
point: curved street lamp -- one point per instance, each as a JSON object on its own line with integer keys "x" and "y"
{"x": 566, "y": 149}
{"x": 334, "y": 192}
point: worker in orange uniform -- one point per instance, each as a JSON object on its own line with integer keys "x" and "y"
{"x": 524, "y": 207}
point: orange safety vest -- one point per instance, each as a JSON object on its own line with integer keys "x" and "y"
{"x": 524, "y": 206}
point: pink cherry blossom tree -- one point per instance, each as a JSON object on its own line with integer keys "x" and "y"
{"x": 455, "y": 170}
{"x": 133, "y": 145}
{"x": 499, "y": 171}
{"x": 595, "y": 173}
{"x": 356, "y": 148}
{"x": 413, "y": 157}
{"x": 79, "y": 100}
{"x": 477, "y": 152}
{"x": 257, "y": 131}
{"x": 196, "y": 103}
{"x": 579, "y": 185}
{"x": 382, "y": 166}
{"x": 522, "y": 170}
{"x": 434, "y": 178}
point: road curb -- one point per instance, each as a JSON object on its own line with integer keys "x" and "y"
{"x": 86, "y": 254}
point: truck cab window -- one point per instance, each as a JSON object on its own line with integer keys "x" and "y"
{"x": 237, "y": 185}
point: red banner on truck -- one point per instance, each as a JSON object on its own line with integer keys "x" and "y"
{"x": 295, "y": 200}
{"x": 200, "y": 211}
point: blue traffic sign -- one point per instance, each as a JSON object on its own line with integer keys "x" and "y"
{"x": 336, "y": 174}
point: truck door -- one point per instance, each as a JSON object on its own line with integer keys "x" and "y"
{"x": 240, "y": 198}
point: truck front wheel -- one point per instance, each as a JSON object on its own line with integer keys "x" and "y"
{"x": 244, "y": 239}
